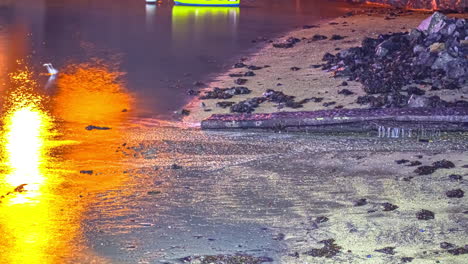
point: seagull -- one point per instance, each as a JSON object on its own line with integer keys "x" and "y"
{"x": 50, "y": 68}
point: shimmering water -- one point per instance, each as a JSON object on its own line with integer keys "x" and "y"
{"x": 163, "y": 48}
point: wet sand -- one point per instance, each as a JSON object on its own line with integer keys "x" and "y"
{"x": 309, "y": 81}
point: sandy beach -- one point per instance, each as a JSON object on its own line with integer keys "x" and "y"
{"x": 292, "y": 70}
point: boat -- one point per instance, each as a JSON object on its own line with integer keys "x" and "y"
{"x": 208, "y": 2}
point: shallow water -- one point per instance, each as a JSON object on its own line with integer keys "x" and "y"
{"x": 163, "y": 48}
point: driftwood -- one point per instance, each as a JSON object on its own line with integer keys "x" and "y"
{"x": 345, "y": 120}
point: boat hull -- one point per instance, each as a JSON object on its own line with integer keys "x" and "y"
{"x": 208, "y": 2}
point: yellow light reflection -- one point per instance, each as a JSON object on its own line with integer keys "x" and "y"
{"x": 25, "y": 212}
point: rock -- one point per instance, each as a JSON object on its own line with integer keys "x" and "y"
{"x": 459, "y": 251}
{"x": 330, "y": 249}
{"x": 254, "y": 68}
{"x": 425, "y": 215}
{"x": 414, "y": 163}
{"x": 407, "y": 259}
{"x": 337, "y": 37}
{"x": 249, "y": 74}
{"x": 184, "y": 112}
{"x": 247, "y": 106}
{"x": 239, "y": 65}
{"x": 321, "y": 219}
{"x": 236, "y": 75}
{"x": 419, "y": 101}
{"x": 437, "y": 47}
{"x": 446, "y": 245}
{"x": 402, "y": 161}
{"x": 345, "y": 92}
{"x": 433, "y": 24}
{"x": 224, "y": 104}
{"x": 225, "y": 93}
{"x": 443, "y": 164}
{"x": 295, "y": 68}
{"x": 176, "y": 167}
{"x": 389, "y": 207}
{"x": 455, "y": 177}
{"x": 153, "y": 192}
{"x": 90, "y": 127}
{"x": 86, "y": 172}
{"x": 425, "y": 170}
{"x": 457, "y": 193}
{"x": 360, "y": 202}
{"x": 192, "y": 92}
{"x": 309, "y": 26}
{"x": 344, "y": 84}
{"x": 240, "y": 81}
{"x": 318, "y": 37}
{"x": 386, "y": 250}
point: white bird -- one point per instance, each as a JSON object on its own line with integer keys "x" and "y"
{"x": 50, "y": 68}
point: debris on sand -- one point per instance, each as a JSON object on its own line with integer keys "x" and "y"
{"x": 425, "y": 215}
{"x": 330, "y": 249}
{"x": 457, "y": 193}
{"x": 225, "y": 93}
{"x": 289, "y": 43}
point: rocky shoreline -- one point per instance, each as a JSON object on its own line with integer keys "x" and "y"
{"x": 321, "y": 68}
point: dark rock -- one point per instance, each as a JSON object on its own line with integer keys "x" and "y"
{"x": 389, "y": 207}
{"x": 90, "y": 127}
{"x": 247, "y": 106}
{"x": 86, "y": 172}
{"x": 225, "y": 93}
{"x": 321, "y": 219}
{"x": 153, "y": 192}
{"x": 386, "y": 250}
{"x": 407, "y": 259}
{"x": 459, "y": 251}
{"x": 224, "y": 104}
{"x": 457, "y": 193}
{"x": 345, "y": 92}
{"x": 255, "y": 68}
{"x": 455, "y": 177}
{"x": 185, "y": 112}
{"x": 193, "y": 92}
{"x": 425, "y": 170}
{"x": 226, "y": 259}
{"x": 236, "y": 75}
{"x": 318, "y": 37}
{"x": 446, "y": 245}
{"x": 337, "y": 37}
{"x": 240, "y": 81}
{"x": 309, "y": 26}
{"x": 443, "y": 164}
{"x": 402, "y": 161}
{"x": 425, "y": 215}
{"x": 295, "y": 68}
{"x": 316, "y": 99}
{"x": 360, "y": 202}
{"x": 249, "y": 74}
{"x": 239, "y": 65}
{"x": 176, "y": 167}
{"x": 330, "y": 249}
{"x": 344, "y": 84}
{"x": 414, "y": 163}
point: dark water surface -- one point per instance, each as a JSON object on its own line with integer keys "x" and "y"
{"x": 163, "y": 48}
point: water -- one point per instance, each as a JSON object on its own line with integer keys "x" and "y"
{"x": 162, "y": 48}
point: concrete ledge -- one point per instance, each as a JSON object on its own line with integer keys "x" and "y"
{"x": 444, "y": 119}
